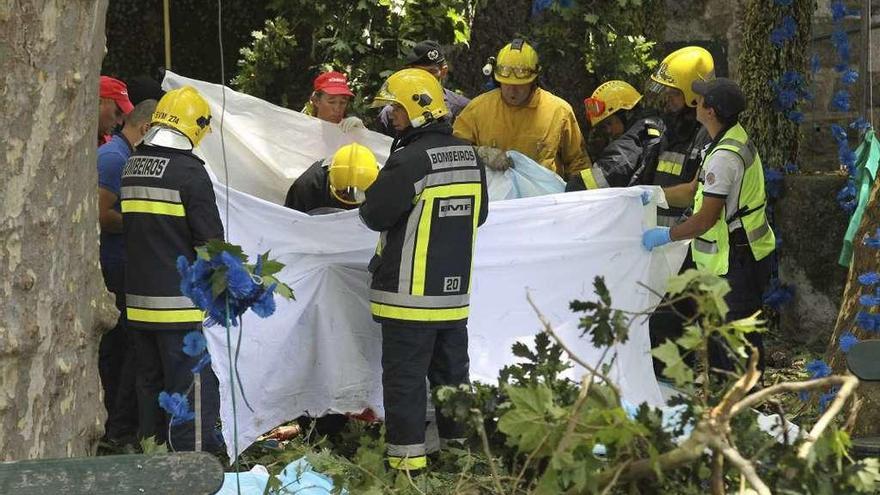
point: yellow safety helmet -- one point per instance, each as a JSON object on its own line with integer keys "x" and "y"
{"x": 353, "y": 169}
{"x": 417, "y": 91}
{"x": 681, "y": 68}
{"x": 185, "y": 110}
{"x": 516, "y": 63}
{"x": 610, "y": 97}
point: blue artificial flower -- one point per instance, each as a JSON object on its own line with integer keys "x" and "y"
{"x": 826, "y": 398}
{"x": 194, "y": 344}
{"x": 785, "y": 32}
{"x": 264, "y": 306}
{"x": 783, "y": 3}
{"x": 238, "y": 281}
{"x": 869, "y": 278}
{"x": 804, "y": 395}
{"x": 818, "y": 369}
{"x": 815, "y": 63}
{"x": 840, "y": 41}
{"x": 773, "y": 183}
{"x": 838, "y": 133}
{"x": 792, "y": 79}
{"x": 848, "y": 191}
{"x": 840, "y": 101}
{"x": 177, "y": 406}
{"x": 204, "y": 361}
{"x": 790, "y": 167}
{"x": 807, "y": 95}
{"x": 849, "y": 76}
{"x": 796, "y": 116}
{"x": 872, "y": 242}
{"x": 778, "y": 294}
{"x": 786, "y": 98}
{"x": 869, "y": 300}
{"x": 838, "y": 10}
{"x": 848, "y": 159}
{"x": 868, "y": 321}
{"x": 846, "y": 341}
{"x": 860, "y": 124}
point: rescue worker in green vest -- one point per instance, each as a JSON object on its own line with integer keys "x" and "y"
{"x": 168, "y": 209}
{"x": 427, "y": 202}
{"x": 729, "y": 227}
{"x": 614, "y": 110}
{"x": 335, "y": 184}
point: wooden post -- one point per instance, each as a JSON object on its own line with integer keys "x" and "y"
{"x": 166, "y": 13}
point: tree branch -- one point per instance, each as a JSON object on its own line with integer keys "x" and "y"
{"x": 850, "y": 382}
{"x": 717, "y": 473}
{"x": 548, "y": 328}
{"x": 762, "y": 395}
{"x": 743, "y": 465}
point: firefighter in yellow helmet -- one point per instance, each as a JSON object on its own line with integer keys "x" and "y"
{"x": 427, "y": 202}
{"x": 337, "y": 183}
{"x": 522, "y": 116}
{"x": 168, "y": 209}
{"x": 614, "y": 110}
{"x": 685, "y": 143}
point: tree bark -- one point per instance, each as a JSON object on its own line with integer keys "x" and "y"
{"x": 865, "y": 259}
{"x": 52, "y": 298}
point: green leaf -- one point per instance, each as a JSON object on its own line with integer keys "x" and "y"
{"x": 676, "y": 369}
{"x": 149, "y": 446}
{"x": 218, "y": 281}
{"x": 692, "y": 338}
{"x": 591, "y": 18}
{"x": 531, "y": 413}
{"x": 867, "y": 477}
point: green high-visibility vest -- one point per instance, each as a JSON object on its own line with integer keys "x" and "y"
{"x": 712, "y": 249}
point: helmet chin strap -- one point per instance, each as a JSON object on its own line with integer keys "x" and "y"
{"x": 167, "y": 138}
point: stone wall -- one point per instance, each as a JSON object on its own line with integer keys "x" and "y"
{"x": 808, "y": 218}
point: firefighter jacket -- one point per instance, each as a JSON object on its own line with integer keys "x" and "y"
{"x": 168, "y": 209}
{"x": 545, "y": 129}
{"x": 679, "y": 160}
{"x": 625, "y": 160}
{"x": 427, "y": 202}
{"x": 311, "y": 190}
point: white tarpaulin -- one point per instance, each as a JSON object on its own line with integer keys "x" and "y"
{"x": 321, "y": 352}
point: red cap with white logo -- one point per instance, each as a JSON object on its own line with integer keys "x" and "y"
{"x": 333, "y": 83}
{"x": 117, "y": 91}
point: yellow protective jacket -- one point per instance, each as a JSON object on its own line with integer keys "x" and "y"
{"x": 545, "y": 129}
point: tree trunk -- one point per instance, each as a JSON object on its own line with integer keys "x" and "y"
{"x": 51, "y": 292}
{"x": 865, "y": 259}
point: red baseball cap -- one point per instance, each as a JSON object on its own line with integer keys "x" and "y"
{"x": 333, "y": 83}
{"x": 117, "y": 91}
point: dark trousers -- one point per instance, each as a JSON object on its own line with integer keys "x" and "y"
{"x": 116, "y": 364}
{"x": 748, "y": 280}
{"x": 409, "y": 354}
{"x": 669, "y": 319}
{"x": 163, "y": 366}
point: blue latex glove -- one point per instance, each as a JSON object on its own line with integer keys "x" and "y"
{"x": 655, "y": 237}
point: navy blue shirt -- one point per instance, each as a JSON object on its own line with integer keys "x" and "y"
{"x": 111, "y": 159}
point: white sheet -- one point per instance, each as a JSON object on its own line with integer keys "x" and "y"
{"x": 322, "y": 351}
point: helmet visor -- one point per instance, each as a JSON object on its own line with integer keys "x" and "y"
{"x": 350, "y": 195}
{"x": 595, "y": 107}
{"x": 515, "y": 72}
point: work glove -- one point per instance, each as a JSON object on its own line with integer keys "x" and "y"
{"x": 655, "y": 237}
{"x": 350, "y": 123}
{"x": 646, "y": 197}
{"x": 494, "y": 158}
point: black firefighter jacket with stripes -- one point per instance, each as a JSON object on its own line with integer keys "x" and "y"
{"x": 427, "y": 202}
{"x": 168, "y": 209}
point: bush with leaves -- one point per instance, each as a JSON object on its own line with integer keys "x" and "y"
{"x": 367, "y": 39}
{"x": 537, "y": 432}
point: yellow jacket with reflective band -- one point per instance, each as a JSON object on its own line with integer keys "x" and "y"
{"x": 168, "y": 208}
{"x": 545, "y": 129}
{"x": 711, "y": 250}
{"x": 427, "y": 201}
